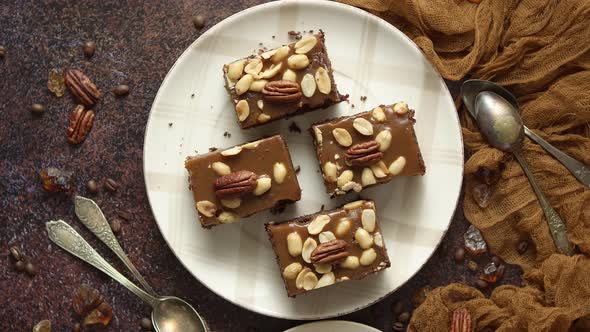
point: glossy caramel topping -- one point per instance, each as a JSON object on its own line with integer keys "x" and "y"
{"x": 221, "y": 180}
{"x": 319, "y": 236}
{"x": 281, "y": 82}
{"x": 367, "y": 148}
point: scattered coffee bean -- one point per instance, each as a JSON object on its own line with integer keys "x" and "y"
{"x": 89, "y": 48}
{"x": 459, "y": 255}
{"x": 146, "y": 324}
{"x": 500, "y": 271}
{"x": 30, "y": 268}
{"x": 116, "y": 226}
{"x": 404, "y": 317}
{"x": 2, "y": 52}
{"x": 15, "y": 252}
{"x": 472, "y": 265}
{"x": 125, "y": 215}
{"x": 398, "y": 326}
{"x": 92, "y": 187}
{"x": 398, "y": 307}
{"x": 522, "y": 247}
{"x": 111, "y": 185}
{"x": 481, "y": 284}
{"x": 199, "y": 21}
{"x": 37, "y": 109}
{"x": 77, "y": 327}
{"x": 496, "y": 260}
{"x": 19, "y": 266}
{"x": 121, "y": 90}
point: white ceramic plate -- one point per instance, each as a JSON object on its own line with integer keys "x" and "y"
{"x": 371, "y": 58}
{"x": 332, "y": 326}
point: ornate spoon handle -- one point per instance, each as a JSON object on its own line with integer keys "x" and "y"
{"x": 66, "y": 237}
{"x": 92, "y": 217}
{"x": 579, "y": 170}
{"x": 556, "y": 225}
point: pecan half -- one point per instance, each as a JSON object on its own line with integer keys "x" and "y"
{"x": 364, "y": 154}
{"x": 281, "y": 92}
{"x": 461, "y": 321}
{"x": 82, "y": 87}
{"x": 80, "y": 124}
{"x": 329, "y": 252}
{"x": 235, "y": 184}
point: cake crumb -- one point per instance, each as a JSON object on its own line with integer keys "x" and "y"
{"x": 211, "y": 149}
{"x": 294, "y": 128}
{"x": 297, "y": 169}
{"x": 273, "y": 36}
{"x": 170, "y": 124}
{"x": 363, "y": 98}
{"x": 227, "y": 134}
{"x": 294, "y": 33}
{"x": 322, "y": 208}
{"x": 192, "y": 95}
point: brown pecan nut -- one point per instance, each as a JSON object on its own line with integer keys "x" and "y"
{"x": 461, "y": 321}
{"x": 329, "y": 252}
{"x": 80, "y": 124}
{"x": 363, "y": 154}
{"x": 235, "y": 184}
{"x": 82, "y": 87}
{"x": 281, "y": 92}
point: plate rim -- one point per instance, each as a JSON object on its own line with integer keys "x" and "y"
{"x": 356, "y": 11}
{"x": 337, "y": 321}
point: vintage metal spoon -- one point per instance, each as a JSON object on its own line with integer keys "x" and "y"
{"x": 169, "y": 313}
{"x": 469, "y": 91}
{"x": 501, "y": 125}
{"x": 92, "y": 217}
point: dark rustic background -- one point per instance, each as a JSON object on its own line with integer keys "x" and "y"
{"x": 137, "y": 42}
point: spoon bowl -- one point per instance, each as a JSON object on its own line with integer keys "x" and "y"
{"x": 172, "y": 314}
{"x": 499, "y": 122}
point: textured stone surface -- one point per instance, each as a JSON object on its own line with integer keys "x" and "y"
{"x": 137, "y": 43}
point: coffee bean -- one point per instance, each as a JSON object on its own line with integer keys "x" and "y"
{"x": 404, "y": 317}
{"x": 471, "y": 265}
{"x": 37, "y": 108}
{"x": 116, "y": 226}
{"x": 77, "y": 327}
{"x": 15, "y": 252}
{"x": 496, "y": 260}
{"x": 146, "y": 324}
{"x": 398, "y": 307}
{"x": 2, "y": 52}
{"x": 199, "y": 21}
{"x": 459, "y": 255}
{"x": 31, "y": 269}
{"x": 522, "y": 247}
{"x": 19, "y": 266}
{"x": 482, "y": 284}
{"x": 111, "y": 185}
{"x": 121, "y": 90}
{"x": 398, "y": 326}
{"x": 500, "y": 271}
{"x": 89, "y": 48}
{"x": 92, "y": 187}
